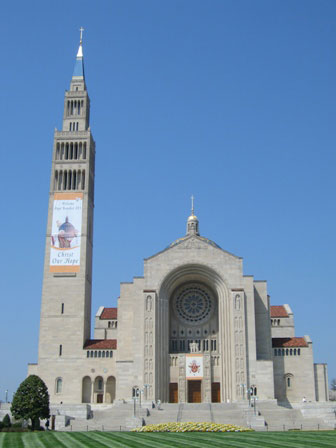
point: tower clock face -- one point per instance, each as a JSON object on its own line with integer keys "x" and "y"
{"x": 193, "y": 304}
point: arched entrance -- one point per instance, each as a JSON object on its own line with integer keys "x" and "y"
{"x": 99, "y": 390}
{"x": 193, "y": 296}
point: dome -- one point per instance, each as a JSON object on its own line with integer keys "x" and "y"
{"x": 192, "y": 218}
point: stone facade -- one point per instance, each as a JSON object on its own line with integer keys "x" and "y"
{"x": 194, "y": 328}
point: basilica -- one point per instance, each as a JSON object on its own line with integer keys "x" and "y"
{"x": 193, "y": 329}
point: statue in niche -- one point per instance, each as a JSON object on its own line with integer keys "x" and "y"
{"x": 194, "y": 347}
{"x": 237, "y": 302}
{"x": 149, "y": 303}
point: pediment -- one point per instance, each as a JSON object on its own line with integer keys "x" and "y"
{"x": 192, "y": 242}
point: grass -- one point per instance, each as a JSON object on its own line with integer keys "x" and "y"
{"x": 95, "y": 439}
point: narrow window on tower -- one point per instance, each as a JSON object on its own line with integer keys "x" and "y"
{"x": 62, "y": 308}
{"x": 56, "y": 180}
{"x": 83, "y": 180}
{"x": 70, "y": 127}
{"x": 60, "y": 350}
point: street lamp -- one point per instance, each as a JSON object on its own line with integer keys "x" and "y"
{"x": 6, "y": 395}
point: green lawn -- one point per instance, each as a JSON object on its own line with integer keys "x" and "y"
{"x": 323, "y": 439}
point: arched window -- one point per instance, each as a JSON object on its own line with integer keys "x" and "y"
{"x": 289, "y": 377}
{"x": 58, "y": 387}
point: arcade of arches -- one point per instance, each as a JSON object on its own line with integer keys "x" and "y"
{"x": 98, "y": 390}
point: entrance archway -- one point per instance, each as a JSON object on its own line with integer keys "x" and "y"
{"x": 211, "y": 337}
{"x": 99, "y": 390}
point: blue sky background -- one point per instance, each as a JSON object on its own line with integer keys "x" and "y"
{"x": 233, "y": 101}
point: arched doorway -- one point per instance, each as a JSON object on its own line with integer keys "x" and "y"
{"x": 86, "y": 390}
{"x": 99, "y": 390}
{"x": 110, "y": 389}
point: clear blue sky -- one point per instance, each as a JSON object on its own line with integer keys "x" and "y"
{"x": 233, "y": 101}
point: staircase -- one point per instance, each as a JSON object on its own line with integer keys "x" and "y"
{"x": 267, "y": 415}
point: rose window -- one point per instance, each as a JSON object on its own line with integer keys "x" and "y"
{"x": 193, "y": 304}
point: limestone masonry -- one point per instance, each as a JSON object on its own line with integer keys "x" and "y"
{"x": 193, "y": 329}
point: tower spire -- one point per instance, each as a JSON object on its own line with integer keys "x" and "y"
{"x": 192, "y": 204}
{"x": 78, "y": 73}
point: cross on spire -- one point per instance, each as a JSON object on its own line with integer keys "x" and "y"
{"x": 81, "y": 29}
{"x": 192, "y": 204}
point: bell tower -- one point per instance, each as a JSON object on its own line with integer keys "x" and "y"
{"x": 67, "y": 279}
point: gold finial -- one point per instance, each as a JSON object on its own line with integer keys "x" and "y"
{"x": 192, "y": 205}
{"x": 81, "y": 29}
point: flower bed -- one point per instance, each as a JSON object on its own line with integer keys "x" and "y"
{"x": 191, "y": 427}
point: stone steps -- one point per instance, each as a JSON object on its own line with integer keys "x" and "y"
{"x": 120, "y": 416}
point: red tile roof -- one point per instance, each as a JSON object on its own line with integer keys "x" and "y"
{"x": 289, "y": 342}
{"x": 101, "y": 344}
{"x": 109, "y": 313}
{"x": 278, "y": 311}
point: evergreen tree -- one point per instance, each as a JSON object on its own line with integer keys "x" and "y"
{"x": 31, "y": 401}
{"x": 6, "y": 423}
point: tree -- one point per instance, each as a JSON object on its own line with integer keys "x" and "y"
{"x": 31, "y": 401}
{"x": 6, "y": 423}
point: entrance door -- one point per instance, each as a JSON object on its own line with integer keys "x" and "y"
{"x": 215, "y": 392}
{"x": 194, "y": 391}
{"x": 99, "y": 398}
{"x": 173, "y": 395}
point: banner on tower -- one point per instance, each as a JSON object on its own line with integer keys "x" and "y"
{"x": 66, "y": 232}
